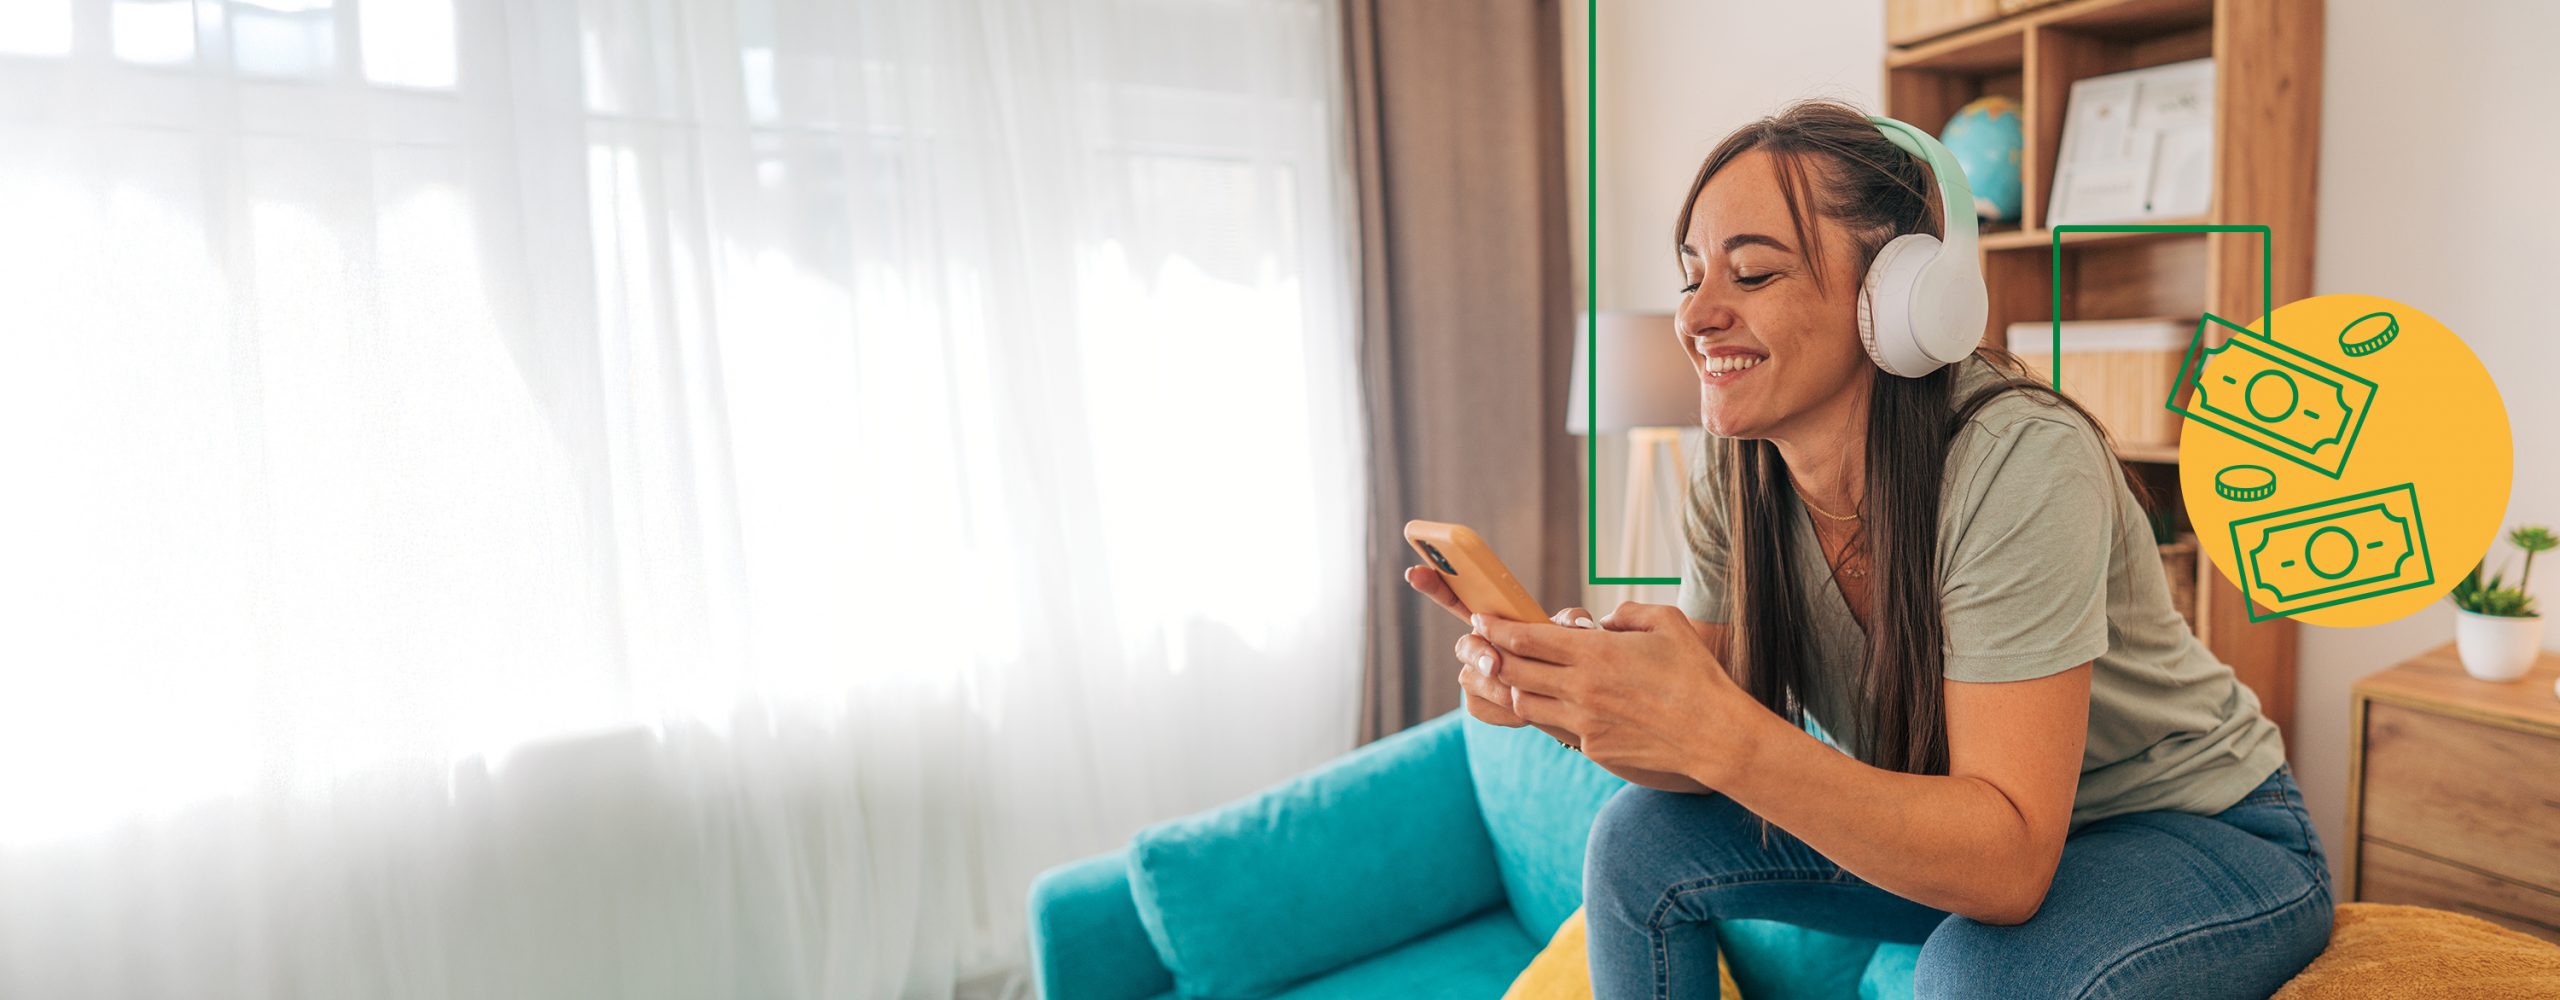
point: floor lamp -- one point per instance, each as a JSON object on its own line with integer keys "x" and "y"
{"x": 1647, "y": 390}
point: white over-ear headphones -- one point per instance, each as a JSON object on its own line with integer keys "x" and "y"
{"x": 1923, "y": 304}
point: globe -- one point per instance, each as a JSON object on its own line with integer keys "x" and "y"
{"x": 1985, "y": 138}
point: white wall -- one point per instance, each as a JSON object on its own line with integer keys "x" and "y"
{"x": 1674, "y": 77}
{"x": 2436, "y": 189}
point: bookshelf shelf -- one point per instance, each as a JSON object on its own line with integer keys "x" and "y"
{"x": 2042, "y": 239}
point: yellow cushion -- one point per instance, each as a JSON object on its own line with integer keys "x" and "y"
{"x": 2378, "y": 951}
{"x": 1563, "y": 970}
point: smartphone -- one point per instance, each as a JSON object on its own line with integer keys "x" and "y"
{"x": 1473, "y": 571}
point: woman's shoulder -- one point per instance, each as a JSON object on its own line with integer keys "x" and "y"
{"x": 2006, "y": 412}
{"x": 2027, "y": 466}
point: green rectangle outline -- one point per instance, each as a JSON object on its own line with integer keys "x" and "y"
{"x": 1591, "y": 309}
{"x": 2240, "y": 565}
{"x": 2266, "y": 274}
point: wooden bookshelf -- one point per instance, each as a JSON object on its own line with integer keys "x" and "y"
{"x": 2266, "y": 141}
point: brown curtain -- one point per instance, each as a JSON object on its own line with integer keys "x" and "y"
{"x": 1467, "y": 315}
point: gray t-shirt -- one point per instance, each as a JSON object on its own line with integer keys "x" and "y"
{"x": 2047, "y": 562}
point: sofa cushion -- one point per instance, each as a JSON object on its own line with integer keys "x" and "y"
{"x": 1538, "y": 800}
{"x": 1366, "y": 853}
{"x": 1475, "y": 959}
{"x": 1771, "y": 959}
{"x": 1086, "y": 941}
{"x": 1889, "y": 972}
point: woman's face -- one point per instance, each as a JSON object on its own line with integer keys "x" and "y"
{"x": 1769, "y": 345}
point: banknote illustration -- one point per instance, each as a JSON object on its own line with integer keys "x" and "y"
{"x": 2331, "y": 552}
{"x": 2285, "y": 402}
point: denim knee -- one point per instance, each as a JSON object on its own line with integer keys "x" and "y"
{"x": 1622, "y": 870}
{"x": 1966, "y": 959}
{"x": 1645, "y": 840}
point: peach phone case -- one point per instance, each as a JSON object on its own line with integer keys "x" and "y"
{"x": 1480, "y": 578}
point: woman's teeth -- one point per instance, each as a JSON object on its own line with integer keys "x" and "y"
{"x": 1730, "y": 363}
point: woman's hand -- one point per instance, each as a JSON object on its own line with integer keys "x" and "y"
{"x": 1643, "y": 691}
{"x": 1489, "y": 700}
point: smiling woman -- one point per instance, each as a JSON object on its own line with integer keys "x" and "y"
{"x": 1940, "y": 561}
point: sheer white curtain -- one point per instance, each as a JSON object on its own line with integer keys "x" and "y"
{"x": 651, "y": 497}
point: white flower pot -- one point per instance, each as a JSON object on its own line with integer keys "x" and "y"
{"x": 2495, "y": 648}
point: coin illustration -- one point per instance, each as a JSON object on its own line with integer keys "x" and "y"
{"x": 2245, "y": 483}
{"x": 2365, "y": 335}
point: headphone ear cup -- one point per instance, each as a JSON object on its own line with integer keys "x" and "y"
{"x": 1884, "y": 302}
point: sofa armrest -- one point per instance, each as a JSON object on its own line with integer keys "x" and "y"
{"x": 1376, "y": 848}
{"x": 1086, "y": 941}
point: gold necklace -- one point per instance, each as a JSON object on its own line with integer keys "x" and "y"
{"x": 1809, "y": 505}
{"x": 1849, "y": 552}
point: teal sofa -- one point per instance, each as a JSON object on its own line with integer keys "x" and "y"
{"x": 1434, "y": 862}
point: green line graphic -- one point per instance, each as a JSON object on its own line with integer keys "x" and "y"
{"x": 2266, "y": 272}
{"x": 1591, "y": 305}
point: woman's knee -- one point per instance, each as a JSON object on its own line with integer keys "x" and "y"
{"x": 2223, "y": 914}
{"x": 1645, "y": 839}
{"x": 1965, "y": 959}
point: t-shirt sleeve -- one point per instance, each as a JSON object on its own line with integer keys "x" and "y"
{"x": 2026, "y": 584}
{"x": 1702, "y": 533}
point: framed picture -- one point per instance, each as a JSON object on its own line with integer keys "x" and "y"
{"x": 2136, "y": 145}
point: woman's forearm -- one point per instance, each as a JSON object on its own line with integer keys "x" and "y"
{"x": 1954, "y": 843}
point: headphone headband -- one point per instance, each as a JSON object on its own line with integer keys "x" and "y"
{"x": 1955, "y": 194}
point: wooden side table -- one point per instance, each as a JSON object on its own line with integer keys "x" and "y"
{"x": 2453, "y": 792}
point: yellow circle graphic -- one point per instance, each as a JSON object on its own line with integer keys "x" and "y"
{"x": 2386, "y": 443}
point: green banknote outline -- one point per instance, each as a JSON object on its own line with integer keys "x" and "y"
{"x": 2191, "y": 375}
{"x": 2254, "y": 345}
{"x": 2244, "y": 560}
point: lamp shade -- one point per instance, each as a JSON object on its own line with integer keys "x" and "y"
{"x": 1644, "y": 379}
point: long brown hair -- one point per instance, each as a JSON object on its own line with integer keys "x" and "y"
{"x": 1833, "y": 161}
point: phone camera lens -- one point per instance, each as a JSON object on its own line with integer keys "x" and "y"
{"x": 1437, "y": 559}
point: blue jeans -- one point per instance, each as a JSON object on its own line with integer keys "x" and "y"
{"x": 2151, "y": 904}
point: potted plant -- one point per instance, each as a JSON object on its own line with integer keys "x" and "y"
{"x": 2496, "y": 627}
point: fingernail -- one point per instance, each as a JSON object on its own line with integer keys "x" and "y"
{"x": 1584, "y": 622}
{"x": 1478, "y": 622}
{"x": 1484, "y": 662}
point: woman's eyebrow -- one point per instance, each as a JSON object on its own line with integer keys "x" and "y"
{"x": 1742, "y": 239}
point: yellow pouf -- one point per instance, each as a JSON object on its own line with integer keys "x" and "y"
{"x": 1563, "y": 970}
{"x": 2378, "y": 951}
